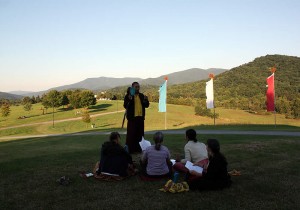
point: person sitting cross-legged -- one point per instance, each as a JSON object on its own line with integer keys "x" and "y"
{"x": 114, "y": 159}
{"x": 194, "y": 151}
{"x": 215, "y": 176}
{"x": 155, "y": 161}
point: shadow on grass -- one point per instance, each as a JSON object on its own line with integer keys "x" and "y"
{"x": 99, "y": 107}
{"x": 65, "y": 109}
{"x": 242, "y": 127}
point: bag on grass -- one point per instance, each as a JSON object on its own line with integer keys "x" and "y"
{"x": 172, "y": 187}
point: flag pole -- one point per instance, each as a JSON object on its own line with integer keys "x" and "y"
{"x": 274, "y": 102}
{"x": 214, "y": 116}
{"x": 212, "y": 76}
{"x": 166, "y": 78}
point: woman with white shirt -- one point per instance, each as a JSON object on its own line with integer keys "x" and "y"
{"x": 194, "y": 151}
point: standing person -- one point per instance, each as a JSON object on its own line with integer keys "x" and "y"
{"x": 215, "y": 176}
{"x": 135, "y": 104}
{"x": 194, "y": 151}
{"x": 156, "y": 158}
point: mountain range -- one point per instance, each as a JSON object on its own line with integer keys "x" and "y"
{"x": 105, "y": 83}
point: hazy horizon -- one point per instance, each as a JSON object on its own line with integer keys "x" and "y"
{"x": 46, "y": 44}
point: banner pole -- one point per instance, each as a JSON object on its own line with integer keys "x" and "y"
{"x": 166, "y": 104}
{"x": 165, "y": 120}
{"x": 274, "y": 103}
{"x": 214, "y": 117}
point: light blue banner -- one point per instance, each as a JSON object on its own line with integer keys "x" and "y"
{"x": 162, "y": 104}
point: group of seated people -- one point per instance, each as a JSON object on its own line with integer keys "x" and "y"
{"x": 155, "y": 161}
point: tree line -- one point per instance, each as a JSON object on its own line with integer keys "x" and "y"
{"x": 53, "y": 99}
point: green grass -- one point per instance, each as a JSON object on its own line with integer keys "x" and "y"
{"x": 178, "y": 117}
{"x": 29, "y": 169}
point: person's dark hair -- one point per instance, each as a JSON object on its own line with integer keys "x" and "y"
{"x": 128, "y": 90}
{"x": 134, "y": 83}
{"x": 214, "y": 145}
{"x": 191, "y": 134}
{"x": 158, "y": 138}
{"x": 113, "y": 136}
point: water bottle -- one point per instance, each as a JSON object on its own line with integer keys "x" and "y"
{"x": 175, "y": 176}
{"x": 126, "y": 148}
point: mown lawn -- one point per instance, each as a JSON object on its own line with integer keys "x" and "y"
{"x": 30, "y": 167}
{"x": 177, "y": 117}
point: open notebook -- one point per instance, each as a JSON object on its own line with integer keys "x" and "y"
{"x": 144, "y": 144}
{"x": 189, "y": 165}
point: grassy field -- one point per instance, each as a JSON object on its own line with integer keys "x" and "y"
{"x": 30, "y": 167}
{"x": 177, "y": 117}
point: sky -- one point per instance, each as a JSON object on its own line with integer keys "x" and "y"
{"x": 49, "y": 43}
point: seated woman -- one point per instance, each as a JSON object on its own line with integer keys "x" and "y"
{"x": 114, "y": 159}
{"x": 194, "y": 151}
{"x": 155, "y": 161}
{"x": 215, "y": 176}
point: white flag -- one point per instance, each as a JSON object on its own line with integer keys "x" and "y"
{"x": 210, "y": 94}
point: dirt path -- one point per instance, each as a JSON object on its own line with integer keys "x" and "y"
{"x": 57, "y": 121}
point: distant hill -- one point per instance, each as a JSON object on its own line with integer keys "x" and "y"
{"x": 249, "y": 80}
{"x": 20, "y": 92}
{"x": 105, "y": 83}
{"x": 100, "y": 83}
{"x": 244, "y": 86}
{"x": 185, "y": 76}
{"x": 9, "y": 96}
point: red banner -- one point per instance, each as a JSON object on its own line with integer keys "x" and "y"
{"x": 270, "y": 94}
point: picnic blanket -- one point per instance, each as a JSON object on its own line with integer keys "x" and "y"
{"x": 106, "y": 176}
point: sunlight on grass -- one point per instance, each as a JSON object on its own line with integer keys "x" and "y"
{"x": 177, "y": 117}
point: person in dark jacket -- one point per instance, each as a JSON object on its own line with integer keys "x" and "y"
{"x": 215, "y": 176}
{"x": 113, "y": 157}
{"x": 135, "y": 104}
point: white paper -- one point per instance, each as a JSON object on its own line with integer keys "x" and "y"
{"x": 144, "y": 144}
{"x": 89, "y": 174}
{"x": 173, "y": 161}
{"x": 189, "y": 165}
{"x": 109, "y": 174}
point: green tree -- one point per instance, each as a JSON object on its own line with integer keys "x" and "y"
{"x": 5, "y": 109}
{"x": 75, "y": 99}
{"x": 38, "y": 99}
{"x": 200, "y": 109}
{"x": 45, "y": 102}
{"x": 27, "y": 106}
{"x": 64, "y": 100}
{"x": 26, "y": 100}
{"x": 296, "y": 108}
{"x": 283, "y": 106}
{"x": 54, "y": 98}
{"x": 86, "y": 117}
{"x": 87, "y": 98}
{"x": 33, "y": 100}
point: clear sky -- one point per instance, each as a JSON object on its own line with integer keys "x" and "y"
{"x": 48, "y": 43}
